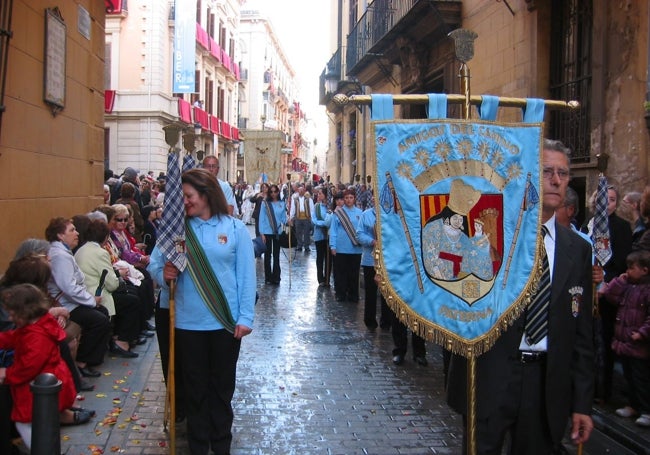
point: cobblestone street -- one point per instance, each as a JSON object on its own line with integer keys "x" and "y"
{"x": 311, "y": 380}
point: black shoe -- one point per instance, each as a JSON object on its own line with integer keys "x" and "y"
{"x": 147, "y": 333}
{"x": 85, "y": 387}
{"x": 80, "y": 417}
{"x": 138, "y": 342}
{"x": 421, "y": 360}
{"x": 372, "y": 325}
{"x": 398, "y": 359}
{"x": 90, "y": 411}
{"x": 120, "y": 352}
{"x": 150, "y": 326}
{"x": 88, "y": 372}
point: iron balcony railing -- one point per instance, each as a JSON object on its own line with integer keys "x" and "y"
{"x": 380, "y": 17}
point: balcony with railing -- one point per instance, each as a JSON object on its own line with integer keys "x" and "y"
{"x": 384, "y": 20}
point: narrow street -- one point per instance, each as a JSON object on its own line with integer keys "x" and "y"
{"x": 312, "y": 380}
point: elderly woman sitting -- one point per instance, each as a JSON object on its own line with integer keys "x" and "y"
{"x": 124, "y": 308}
{"x": 120, "y": 248}
{"x": 68, "y": 289}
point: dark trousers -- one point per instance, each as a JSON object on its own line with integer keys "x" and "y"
{"x": 209, "y": 364}
{"x": 370, "y": 307}
{"x": 606, "y": 359}
{"x": 129, "y": 314}
{"x": 66, "y": 355}
{"x": 346, "y": 280}
{"x": 7, "y": 430}
{"x": 147, "y": 297}
{"x": 321, "y": 260}
{"x": 400, "y": 339}
{"x": 637, "y": 375}
{"x": 520, "y": 418}
{"x": 162, "y": 334}
{"x": 303, "y": 230}
{"x": 272, "y": 259}
{"x": 95, "y": 332}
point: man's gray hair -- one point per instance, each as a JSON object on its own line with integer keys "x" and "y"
{"x": 557, "y": 146}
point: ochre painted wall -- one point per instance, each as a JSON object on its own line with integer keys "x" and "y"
{"x": 50, "y": 165}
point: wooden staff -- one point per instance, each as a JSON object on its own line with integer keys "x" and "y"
{"x": 398, "y": 209}
{"x": 170, "y": 398}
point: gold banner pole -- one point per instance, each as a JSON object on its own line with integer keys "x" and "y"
{"x": 464, "y": 45}
{"x": 170, "y": 402}
{"x": 365, "y": 100}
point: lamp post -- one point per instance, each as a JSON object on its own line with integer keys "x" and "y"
{"x": 263, "y": 120}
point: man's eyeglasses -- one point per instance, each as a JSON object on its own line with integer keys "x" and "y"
{"x": 121, "y": 220}
{"x": 549, "y": 172}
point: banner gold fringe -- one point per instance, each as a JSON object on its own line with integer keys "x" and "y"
{"x": 438, "y": 335}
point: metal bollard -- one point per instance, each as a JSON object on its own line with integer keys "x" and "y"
{"x": 46, "y": 435}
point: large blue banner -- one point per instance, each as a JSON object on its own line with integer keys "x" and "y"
{"x": 184, "y": 46}
{"x": 458, "y": 216}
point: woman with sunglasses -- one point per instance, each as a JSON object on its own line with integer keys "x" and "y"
{"x": 273, "y": 216}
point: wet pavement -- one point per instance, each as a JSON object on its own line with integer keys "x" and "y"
{"x": 311, "y": 380}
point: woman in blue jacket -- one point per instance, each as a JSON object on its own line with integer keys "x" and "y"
{"x": 273, "y": 217}
{"x": 214, "y": 309}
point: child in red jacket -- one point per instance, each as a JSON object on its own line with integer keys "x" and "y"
{"x": 35, "y": 342}
{"x": 631, "y": 293}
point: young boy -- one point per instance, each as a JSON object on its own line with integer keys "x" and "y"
{"x": 631, "y": 293}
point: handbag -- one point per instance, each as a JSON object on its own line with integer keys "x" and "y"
{"x": 283, "y": 238}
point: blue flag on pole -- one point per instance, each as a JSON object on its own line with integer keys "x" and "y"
{"x": 600, "y": 228}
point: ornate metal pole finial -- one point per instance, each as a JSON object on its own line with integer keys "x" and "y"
{"x": 464, "y": 46}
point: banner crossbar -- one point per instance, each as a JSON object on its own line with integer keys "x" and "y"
{"x": 476, "y": 100}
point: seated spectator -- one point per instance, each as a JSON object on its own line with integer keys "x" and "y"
{"x": 68, "y": 289}
{"x": 150, "y": 233}
{"x": 120, "y": 247}
{"x": 35, "y": 342}
{"x": 127, "y": 197}
{"x": 123, "y": 307}
{"x": 34, "y": 268}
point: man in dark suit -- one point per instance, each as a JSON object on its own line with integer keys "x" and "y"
{"x": 526, "y": 390}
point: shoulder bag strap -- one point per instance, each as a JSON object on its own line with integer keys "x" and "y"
{"x": 207, "y": 283}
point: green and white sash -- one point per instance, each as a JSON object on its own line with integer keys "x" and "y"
{"x": 207, "y": 283}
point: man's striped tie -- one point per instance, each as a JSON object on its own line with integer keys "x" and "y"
{"x": 537, "y": 313}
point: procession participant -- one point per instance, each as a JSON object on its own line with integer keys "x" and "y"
{"x": 211, "y": 163}
{"x": 321, "y": 219}
{"x": 366, "y": 233}
{"x": 215, "y": 299}
{"x": 531, "y": 381}
{"x": 346, "y": 249}
{"x": 273, "y": 216}
{"x": 300, "y": 217}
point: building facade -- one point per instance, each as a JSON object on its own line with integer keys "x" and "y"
{"x": 270, "y": 101}
{"x": 140, "y": 98}
{"x": 592, "y": 52}
{"x": 52, "y": 119}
